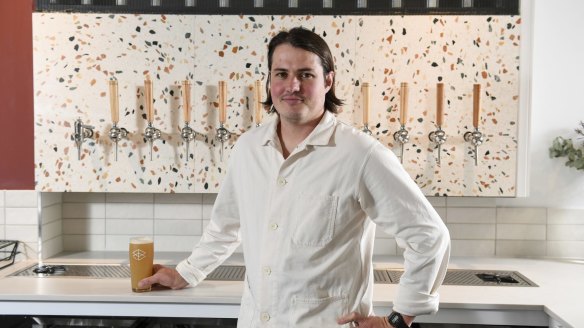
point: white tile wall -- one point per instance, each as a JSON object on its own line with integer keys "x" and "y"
{"x": 521, "y": 248}
{"x": 23, "y": 233}
{"x": 521, "y": 215}
{"x": 51, "y": 198}
{"x": 180, "y": 198}
{"x": 2, "y": 215}
{"x": 471, "y": 215}
{"x": 129, "y": 227}
{"x": 477, "y": 248}
{"x": 175, "y": 243}
{"x": 84, "y": 242}
{"x": 465, "y": 231}
{"x": 51, "y": 230}
{"x": 21, "y": 215}
{"x": 207, "y": 208}
{"x": 99, "y": 221}
{"x": 51, "y": 213}
{"x": 521, "y": 231}
{"x": 129, "y": 198}
{"x": 83, "y": 197}
{"x": 565, "y": 216}
{"x": 21, "y": 198}
{"x": 178, "y": 227}
{"x": 471, "y": 202}
{"x": 566, "y": 232}
{"x": 84, "y": 226}
{"x": 83, "y": 210}
{"x": 52, "y": 247}
{"x": 566, "y": 249}
{"x": 129, "y": 211}
{"x": 178, "y": 211}
{"x": 119, "y": 242}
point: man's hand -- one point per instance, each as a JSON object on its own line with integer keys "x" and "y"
{"x": 164, "y": 276}
{"x": 362, "y": 321}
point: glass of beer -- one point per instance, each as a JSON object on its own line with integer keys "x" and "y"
{"x": 141, "y": 259}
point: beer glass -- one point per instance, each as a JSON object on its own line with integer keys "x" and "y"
{"x": 141, "y": 259}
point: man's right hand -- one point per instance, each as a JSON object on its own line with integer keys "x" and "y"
{"x": 164, "y": 276}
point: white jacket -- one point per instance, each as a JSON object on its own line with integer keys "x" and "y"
{"x": 307, "y": 224}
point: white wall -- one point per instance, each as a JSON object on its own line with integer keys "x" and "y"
{"x": 557, "y": 103}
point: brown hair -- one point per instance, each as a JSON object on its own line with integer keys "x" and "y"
{"x": 302, "y": 38}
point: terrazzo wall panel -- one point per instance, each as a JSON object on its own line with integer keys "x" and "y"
{"x": 76, "y": 54}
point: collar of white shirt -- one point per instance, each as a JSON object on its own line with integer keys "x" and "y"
{"x": 320, "y": 136}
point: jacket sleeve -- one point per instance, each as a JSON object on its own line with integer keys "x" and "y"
{"x": 394, "y": 202}
{"x": 221, "y": 236}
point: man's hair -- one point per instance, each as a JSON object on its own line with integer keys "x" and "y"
{"x": 302, "y": 38}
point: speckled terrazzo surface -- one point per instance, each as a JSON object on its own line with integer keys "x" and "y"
{"x": 76, "y": 54}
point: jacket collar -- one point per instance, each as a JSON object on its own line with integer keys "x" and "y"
{"x": 320, "y": 136}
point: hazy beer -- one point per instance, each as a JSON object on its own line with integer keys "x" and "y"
{"x": 141, "y": 259}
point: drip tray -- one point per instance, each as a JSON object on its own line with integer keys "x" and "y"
{"x": 103, "y": 271}
{"x": 237, "y": 273}
{"x": 75, "y": 270}
{"x": 465, "y": 278}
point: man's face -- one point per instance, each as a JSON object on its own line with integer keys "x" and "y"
{"x": 298, "y": 85}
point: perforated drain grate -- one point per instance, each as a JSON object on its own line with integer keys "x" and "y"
{"x": 228, "y": 273}
{"x": 222, "y": 273}
{"x": 76, "y": 270}
{"x": 465, "y": 278}
{"x": 237, "y": 273}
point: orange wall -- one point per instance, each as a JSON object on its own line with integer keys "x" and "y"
{"x": 16, "y": 95}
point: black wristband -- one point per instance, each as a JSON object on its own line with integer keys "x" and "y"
{"x": 396, "y": 320}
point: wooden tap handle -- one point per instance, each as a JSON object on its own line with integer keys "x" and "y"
{"x": 222, "y": 101}
{"x": 476, "y": 91}
{"x": 366, "y": 102}
{"x": 186, "y": 84}
{"x": 148, "y": 99}
{"x": 404, "y": 94}
{"x": 114, "y": 100}
{"x": 439, "y": 103}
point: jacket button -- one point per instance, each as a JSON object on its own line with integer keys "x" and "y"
{"x": 265, "y": 317}
{"x": 267, "y": 270}
{"x": 282, "y": 181}
{"x": 274, "y": 226}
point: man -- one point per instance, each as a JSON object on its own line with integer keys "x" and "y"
{"x": 304, "y": 194}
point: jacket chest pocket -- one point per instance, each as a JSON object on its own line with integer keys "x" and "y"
{"x": 317, "y": 312}
{"x": 313, "y": 220}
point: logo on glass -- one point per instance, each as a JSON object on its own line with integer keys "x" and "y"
{"x": 138, "y": 254}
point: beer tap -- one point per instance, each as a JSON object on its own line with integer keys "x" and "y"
{"x": 366, "y": 97}
{"x": 258, "y": 103}
{"x": 402, "y": 136}
{"x": 115, "y": 133}
{"x": 475, "y": 137}
{"x": 187, "y": 133}
{"x": 439, "y": 136}
{"x": 81, "y": 132}
{"x": 223, "y": 135}
{"x": 151, "y": 133}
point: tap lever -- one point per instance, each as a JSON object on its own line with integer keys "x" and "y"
{"x": 81, "y": 132}
{"x": 439, "y": 138}
{"x": 223, "y": 135}
{"x": 476, "y": 138}
{"x": 187, "y": 134}
{"x": 402, "y": 136}
{"x": 116, "y": 134}
{"x": 366, "y": 129}
{"x": 151, "y": 134}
